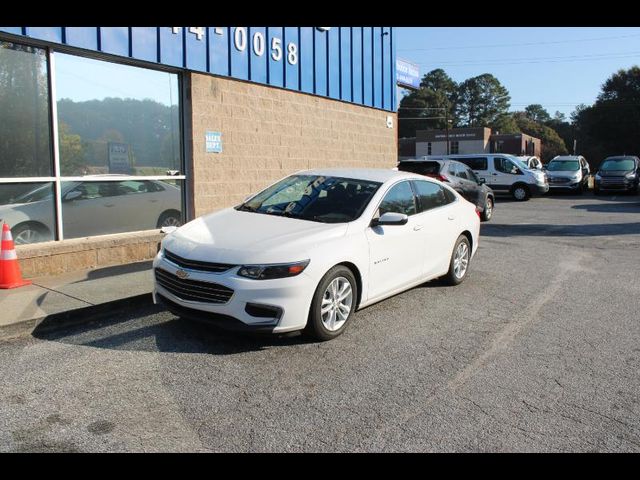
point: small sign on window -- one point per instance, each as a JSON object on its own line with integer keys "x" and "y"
{"x": 213, "y": 141}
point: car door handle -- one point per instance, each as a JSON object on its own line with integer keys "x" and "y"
{"x": 109, "y": 204}
{"x": 417, "y": 227}
{"x": 494, "y": 174}
{"x": 451, "y": 217}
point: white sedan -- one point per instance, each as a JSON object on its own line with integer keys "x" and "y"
{"x": 313, "y": 248}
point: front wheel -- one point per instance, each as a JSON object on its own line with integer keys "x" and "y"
{"x": 459, "y": 263}
{"x": 333, "y": 304}
{"x": 487, "y": 213}
{"x": 170, "y": 218}
{"x": 521, "y": 193}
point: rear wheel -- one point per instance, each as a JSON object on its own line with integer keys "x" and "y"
{"x": 333, "y": 304}
{"x": 521, "y": 192}
{"x": 487, "y": 213}
{"x": 30, "y": 232}
{"x": 459, "y": 263}
{"x": 170, "y": 218}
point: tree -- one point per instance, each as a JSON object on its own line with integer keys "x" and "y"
{"x": 436, "y": 97}
{"x": 481, "y": 100}
{"x": 552, "y": 144}
{"x": 72, "y": 155}
{"x": 505, "y": 124}
{"x": 537, "y": 113}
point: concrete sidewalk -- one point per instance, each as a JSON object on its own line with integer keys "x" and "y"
{"x": 55, "y": 301}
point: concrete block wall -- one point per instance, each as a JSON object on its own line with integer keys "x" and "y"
{"x": 268, "y": 133}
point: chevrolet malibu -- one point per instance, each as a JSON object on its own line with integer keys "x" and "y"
{"x": 311, "y": 249}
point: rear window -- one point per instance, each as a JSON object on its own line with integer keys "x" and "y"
{"x": 474, "y": 163}
{"x": 421, "y": 168}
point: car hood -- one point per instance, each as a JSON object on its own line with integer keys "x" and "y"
{"x": 237, "y": 237}
{"x": 614, "y": 173}
{"x": 562, "y": 173}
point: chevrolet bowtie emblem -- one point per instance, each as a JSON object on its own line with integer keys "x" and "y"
{"x": 182, "y": 274}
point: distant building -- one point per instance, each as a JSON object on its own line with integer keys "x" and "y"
{"x": 406, "y": 148}
{"x": 473, "y": 140}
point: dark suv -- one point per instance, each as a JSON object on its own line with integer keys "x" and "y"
{"x": 619, "y": 173}
{"x": 459, "y": 176}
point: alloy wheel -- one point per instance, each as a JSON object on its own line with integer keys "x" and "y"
{"x": 461, "y": 260}
{"x": 336, "y": 305}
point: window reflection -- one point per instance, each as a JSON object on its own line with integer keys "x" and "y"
{"x": 103, "y": 207}
{"x": 116, "y": 118}
{"x": 28, "y": 208}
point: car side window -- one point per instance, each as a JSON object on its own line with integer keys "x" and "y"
{"x": 431, "y": 195}
{"x": 504, "y": 165}
{"x": 399, "y": 199}
{"x": 475, "y": 163}
{"x": 461, "y": 172}
{"x": 472, "y": 176}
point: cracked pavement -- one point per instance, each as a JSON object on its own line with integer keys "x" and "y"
{"x": 538, "y": 350}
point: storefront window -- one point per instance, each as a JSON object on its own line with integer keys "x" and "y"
{"x": 103, "y": 207}
{"x": 25, "y": 130}
{"x": 28, "y": 208}
{"x": 116, "y": 119}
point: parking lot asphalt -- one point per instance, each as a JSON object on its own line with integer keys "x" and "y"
{"x": 538, "y": 350}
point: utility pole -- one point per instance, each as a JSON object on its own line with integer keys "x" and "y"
{"x": 446, "y": 119}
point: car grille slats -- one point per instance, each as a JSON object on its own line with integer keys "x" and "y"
{"x": 196, "y": 264}
{"x": 559, "y": 180}
{"x": 193, "y": 290}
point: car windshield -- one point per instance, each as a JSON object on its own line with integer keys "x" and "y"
{"x": 40, "y": 193}
{"x": 563, "y": 166}
{"x": 316, "y": 198}
{"x": 624, "y": 164}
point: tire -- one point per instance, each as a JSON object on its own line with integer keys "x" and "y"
{"x": 487, "y": 213}
{"x": 170, "y": 218}
{"x": 30, "y": 232}
{"x": 521, "y": 192}
{"x": 333, "y": 323}
{"x": 453, "y": 276}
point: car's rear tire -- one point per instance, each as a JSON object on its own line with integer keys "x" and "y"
{"x": 487, "y": 213}
{"x": 170, "y": 218}
{"x": 521, "y": 192}
{"x": 459, "y": 263}
{"x": 333, "y": 304}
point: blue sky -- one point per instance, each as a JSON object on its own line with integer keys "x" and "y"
{"x": 558, "y": 67}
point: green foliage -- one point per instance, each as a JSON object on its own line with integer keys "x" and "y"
{"x": 552, "y": 144}
{"x": 72, "y": 152}
{"x": 505, "y": 123}
{"x": 482, "y": 100}
{"x": 537, "y": 113}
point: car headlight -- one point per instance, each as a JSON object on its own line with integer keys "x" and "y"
{"x": 630, "y": 175}
{"x": 271, "y": 271}
{"x": 598, "y": 177}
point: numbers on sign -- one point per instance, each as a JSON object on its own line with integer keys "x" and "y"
{"x": 198, "y": 31}
{"x": 276, "y": 49}
{"x": 258, "y": 43}
{"x": 292, "y": 55}
{"x": 240, "y": 38}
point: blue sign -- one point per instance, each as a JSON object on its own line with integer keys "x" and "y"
{"x": 213, "y": 141}
{"x": 351, "y": 64}
{"x": 407, "y": 74}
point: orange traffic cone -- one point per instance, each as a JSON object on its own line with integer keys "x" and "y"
{"x": 10, "y": 276}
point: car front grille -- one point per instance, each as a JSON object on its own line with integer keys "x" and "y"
{"x": 613, "y": 181}
{"x": 559, "y": 180}
{"x": 196, "y": 264}
{"x": 193, "y": 290}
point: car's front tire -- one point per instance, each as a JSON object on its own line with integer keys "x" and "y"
{"x": 333, "y": 304}
{"x": 521, "y": 192}
{"x": 459, "y": 263}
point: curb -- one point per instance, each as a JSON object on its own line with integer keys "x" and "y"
{"x": 77, "y": 316}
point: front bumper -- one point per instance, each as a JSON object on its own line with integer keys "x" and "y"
{"x": 619, "y": 186}
{"x": 564, "y": 186}
{"x": 288, "y": 298}
{"x": 539, "y": 189}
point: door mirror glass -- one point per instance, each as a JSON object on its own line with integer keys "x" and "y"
{"x": 390, "y": 218}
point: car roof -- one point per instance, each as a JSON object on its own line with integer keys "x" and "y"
{"x": 370, "y": 174}
{"x": 567, "y": 157}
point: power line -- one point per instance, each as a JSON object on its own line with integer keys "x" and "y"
{"x": 517, "y": 44}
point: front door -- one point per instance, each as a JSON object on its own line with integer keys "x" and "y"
{"x": 396, "y": 252}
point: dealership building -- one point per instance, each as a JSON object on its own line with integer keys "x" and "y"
{"x": 109, "y": 133}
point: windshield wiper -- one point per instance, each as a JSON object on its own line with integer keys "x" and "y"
{"x": 246, "y": 208}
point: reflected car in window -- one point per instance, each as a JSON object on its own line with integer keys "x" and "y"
{"x": 93, "y": 208}
{"x": 311, "y": 249}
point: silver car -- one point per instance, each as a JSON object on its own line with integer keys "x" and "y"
{"x": 93, "y": 208}
{"x": 568, "y": 172}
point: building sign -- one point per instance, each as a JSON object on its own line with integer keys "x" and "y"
{"x": 457, "y": 134}
{"x": 119, "y": 159}
{"x": 407, "y": 74}
{"x": 213, "y": 141}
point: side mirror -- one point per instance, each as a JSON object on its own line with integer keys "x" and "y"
{"x": 72, "y": 195}
{"x": 481, "y": 181}
{"x": 390, "y": 218}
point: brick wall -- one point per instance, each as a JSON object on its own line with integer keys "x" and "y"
{"x": 268, "y": 133}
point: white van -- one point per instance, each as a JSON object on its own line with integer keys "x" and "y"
{"x": 504, "y": 173}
